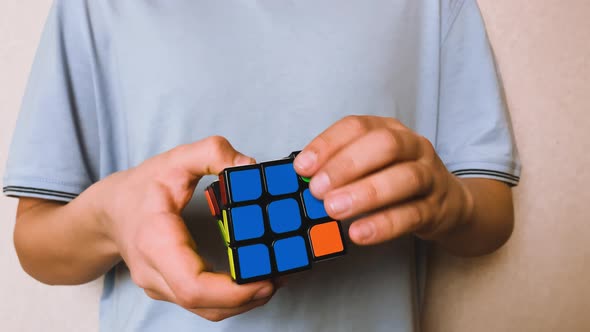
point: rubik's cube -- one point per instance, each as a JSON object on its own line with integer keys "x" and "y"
{"x": 270, "y": 222}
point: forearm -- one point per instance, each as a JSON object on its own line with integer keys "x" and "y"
{"x": 485, "y": 220}
{"x": 63, "y": 243}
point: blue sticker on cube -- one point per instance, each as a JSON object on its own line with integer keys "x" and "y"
{"x": 254, "y": 261}
{"x": 284, "y": 215}
{"x": 313, "y": 206}
{"x": 290, "y": 253}
{"x": 247, "y": 222}
{"x": 281, "y": 179}
{"x": 245, "y": 185}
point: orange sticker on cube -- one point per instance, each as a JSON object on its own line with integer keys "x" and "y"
{"x": 326, "y": 239}
{"x": 212, "y": 203}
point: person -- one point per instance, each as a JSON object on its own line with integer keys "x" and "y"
{"x": 131, "y": 105}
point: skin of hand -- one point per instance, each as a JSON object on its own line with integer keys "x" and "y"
{"x": 135, "y": 215}
{"x": 392, "y": 181}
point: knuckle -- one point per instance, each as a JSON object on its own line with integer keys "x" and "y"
{"x": 187, "y": 296}
{"x": 319, "y": 144}
{"x": 427, "y": 147}
{"x": 139, "y": 279}
{"x": 217, "y": 140}
{"x": 415, "y": 216}
{"x": 342, "y": 166}
{"x": 217, "y": 145}
{"x": 356, "y": 124}
{"x": 371, "y": 192}
{"x": 153, "y": 295}
{"x": 415, "y": 177}
{"x": 390, "y": 139}
{"x": 185, "y": 301}
{"x": 392, "y": 122}
{"x": 214, "y": 316}
{"x": 419, "y": 178}
{"x": 389, "y": 222}
{"x": 239, "y": 301}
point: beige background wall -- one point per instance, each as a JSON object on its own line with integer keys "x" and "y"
{"x": 539, "y": 282}
{"x": 26, "y": 305}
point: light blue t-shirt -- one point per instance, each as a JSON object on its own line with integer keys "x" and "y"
{"x": 116, "y": 82}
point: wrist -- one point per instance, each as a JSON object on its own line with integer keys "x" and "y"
{"x": 466, "y": 205}
{"x": 95, "y": 204}
{"x": 456, "y": 213}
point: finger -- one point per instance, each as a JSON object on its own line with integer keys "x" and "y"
{"x": 153, "y": 285}
{"x": 391, "y": 223}
{"x": 320, "y": 149}
{"x": 161, "y": 292}
{"x": 152, "y": 241}
{"x": 207, "y": 157}
{"x": 172, "y": 253}
{"x": 193, "y": 287}
{"x": 369, "y": 153}
{"x": 218, "y": 314}
{"x": 155, "y": 295}
{"x": 392, "y": 185}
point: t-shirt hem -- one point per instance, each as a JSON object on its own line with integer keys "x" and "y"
{"x": 509, "y": 174}
{"x": 41, "y": 188}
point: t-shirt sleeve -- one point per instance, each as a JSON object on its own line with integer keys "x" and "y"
{"x": 474, "y": 134}
{"x": 54, "y": 150}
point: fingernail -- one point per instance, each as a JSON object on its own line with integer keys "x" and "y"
{"x": 305, "y": 160}
{"x": 362, "y": 232}
{"x": 242, "y": 160}
{"x": 320, "y": 184}
{"x": 339, "y": 203}
{"x": 263, "y": 293}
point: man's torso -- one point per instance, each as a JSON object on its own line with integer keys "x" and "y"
{"x": 269, "y": 76}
